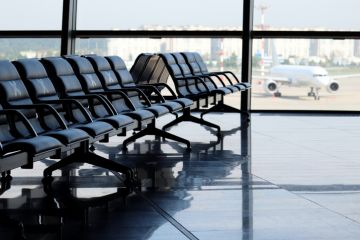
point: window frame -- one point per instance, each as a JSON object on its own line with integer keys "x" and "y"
{"x": 69, "y": 34}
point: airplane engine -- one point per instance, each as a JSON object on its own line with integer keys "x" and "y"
{"x": 332, "y": 87}
{"x": 271, "y": 87}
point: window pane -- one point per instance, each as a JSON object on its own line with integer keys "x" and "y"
{"x": 159, "y": 14}
{"x": 309, "y": 74}
{"x": 219, "y": 54}
{"x": 13, "y": 48}
{"x": 306, "y": 14}
{"x": 31, "y": 15}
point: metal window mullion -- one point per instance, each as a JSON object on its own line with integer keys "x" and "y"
{"x": 246, "y": 70}
{"x": 68, "y": 27}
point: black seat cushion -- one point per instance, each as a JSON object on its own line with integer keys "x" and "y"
{"x": 157, "y": 110}
{"x": 69, "y": 136}
{"x": 95, "y": 129}
{"x": 173, "y": 106}
{"x": 140, "y": 114}
{"x": 34, "y": 146}
{"x": 118, "y": 121}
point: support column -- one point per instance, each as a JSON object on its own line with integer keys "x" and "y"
{"x": 68, "y": 27}
{"x": 248, "y": 9}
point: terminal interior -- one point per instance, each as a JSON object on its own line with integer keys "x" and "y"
{"x": 276, "y": 157}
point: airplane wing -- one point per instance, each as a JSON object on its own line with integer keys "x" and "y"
{"x": 276, "y": 79}
{"x": 345, "y": 76}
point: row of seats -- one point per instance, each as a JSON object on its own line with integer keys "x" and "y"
{"x": 62, "y": 102}
{"x": 192, "y": 80}
{"x": 59, "y": 106}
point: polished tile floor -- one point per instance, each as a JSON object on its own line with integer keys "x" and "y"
{"x": 284, "y": 177}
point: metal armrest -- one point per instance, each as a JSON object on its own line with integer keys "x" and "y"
{"x": 110, "y": 93}
{"x": 68, "y": 103}
{"x": 194, "y": 78}
{"x": 154, "y": 89}
{"x": 90, "y": 97}
{"x": 22, "y": 118}
{"x": 40, "y": 109}
{"x": 136, "y": 89}
{"x": 163, "y": 85}
{"x": 228, "y": 72}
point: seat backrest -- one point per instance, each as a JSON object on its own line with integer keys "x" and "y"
{"x": 13, "y": 92}
{"x": 182, "y": 87}
{"x": 180, "y": 60}
{"x": 192, "y": 63}
{"x": 194, "y": 66}
{"x": 193, "y": 85}
{"x": 36, "y": 80}
{"x": 68, "y": 84}
{"x": 105, "y": 72}
{"x": 123, "y": 75}
{"x": 201, "y": 63}
{"x": 91, "y": 82}
{"x": 140, "y": 69}
{"x": 85, "y": 73}
{"x": 112, "y": 80}
{"x": 63, "y": 77}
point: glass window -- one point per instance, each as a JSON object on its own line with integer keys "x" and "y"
{"x": 218, "y": 54}
{"x": 159, "y": 15}
{"x": 319, "y": 15}
{"x": 13, "y": 48}
{"x": 31, "y": 15}
{"x": 306, "y": 74}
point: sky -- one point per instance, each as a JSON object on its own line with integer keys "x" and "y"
{"x": 119, "y": 14}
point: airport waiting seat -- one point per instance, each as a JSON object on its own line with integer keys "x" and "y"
{"x": 47, "y": 121}
{"x": 69, "y": 86}
{"x": 194, "y": 57}
{"x": 212, "y": 81}
{"x": 83, "y": 76}
{"x": 44, "y": 118}
{"x": 126, "y": 80}
{"x": 187, "y": 86}
{"x": 22, "y": 148}
{"x": 209, "y": 82}
{"x": 190, "y": 68}
{"x": 42, "y": 90}
{"x": 110, "y": 82}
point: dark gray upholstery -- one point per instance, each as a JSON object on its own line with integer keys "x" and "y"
{"x": 15, "y": 94}
{"x": 117, "y": 100}
{"x": 122, "y": 79}
{"x": 186, "y": 72}
{"x": 125, "y": 79}
{"x": 229, "y": 75}
{"x": 42, "y": 89}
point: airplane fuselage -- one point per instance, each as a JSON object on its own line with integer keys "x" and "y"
{"x": 301, "y": 76}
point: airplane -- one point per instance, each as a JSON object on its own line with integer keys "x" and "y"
{"x": 315, "y": 77}
{"x": 299, "y": 76}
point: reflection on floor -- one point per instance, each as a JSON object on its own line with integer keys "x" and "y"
{"x": 284, "y": 177}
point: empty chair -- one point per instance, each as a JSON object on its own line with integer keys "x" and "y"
{"x": 211, "y": 85}
{"x": 188, "y": 87}
{"x": 126, "y": 80}
{"x": 110, "y": 82}
{"x": 87, "y": 82}
{"x": 22, "y": 148}
{"x": 220, "y": 106}
{"x": 194, "y": 57}
{"x": 47, "y": 121}
{"x": 42, "y": 90}
{"x": 210, "y": 80}
{"x": 44, "y": 118}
